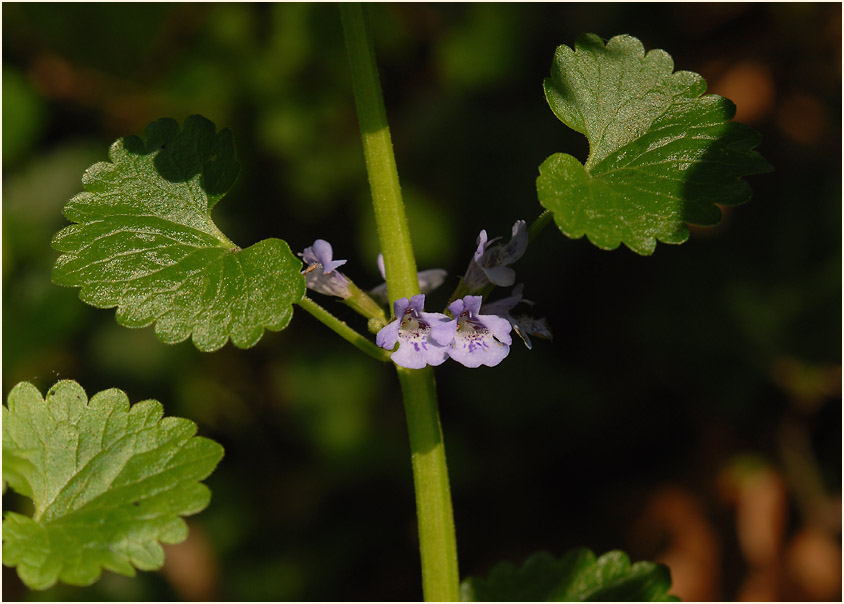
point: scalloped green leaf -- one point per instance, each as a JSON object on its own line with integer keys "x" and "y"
{"x": 577, "y": 576}
{"x": 661, "y": 153}
{"x": 143, "y": 241}
{"x": 109, "y": 482}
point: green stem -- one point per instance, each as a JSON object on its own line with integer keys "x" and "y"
{"x": 343, "y": 330}
{"x": 390, "y": 219}
{"x": 437, "y": 542}
{"x": 362, "y": 303}
{"x": 539, "y": 225}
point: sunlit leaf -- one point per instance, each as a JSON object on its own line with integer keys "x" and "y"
{"x": 144, "y": 242}
{"x": 661, "y": 153}
{"x": 109, "y": 482}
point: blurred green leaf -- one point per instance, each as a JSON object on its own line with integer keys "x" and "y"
{"x": 145, "y": 242}
{"x": 332, "y": 396}
{"x": 661, "y": 154}
{"x": 575, "y": 577}
{"x": 23, "y": 115}
{"x": 109, "y": 482}
{"x": 482, "y": 50}
{"x": 33, "y": 196}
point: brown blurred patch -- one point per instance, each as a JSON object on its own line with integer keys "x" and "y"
{"x": 802, "y": 118}
{"x": 750, "y": 86}
{"x": 692, "y": 548}
{"x": 801, "y": 568}
{"x": 57, "y": 78}
{"x": 761, "y": 511}
{"x": 191, "y": 567}
{"x": 123, "y": 103}
{"x": 813, "y": 566}
{"x": 759, "y": 586}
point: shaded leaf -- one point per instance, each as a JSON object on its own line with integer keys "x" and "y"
{"x": 577, "y": 576}
{"x": 661, "y": 153}
{"x": 109, "y": 483}
{"x": 144, "y": 242}
{"x": 17, "y": 466}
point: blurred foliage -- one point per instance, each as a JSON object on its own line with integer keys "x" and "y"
{"x": 663, "y": 371}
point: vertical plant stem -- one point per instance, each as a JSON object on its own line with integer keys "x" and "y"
{"x": 437, "y": 543}
{"x": 390, "y": 218}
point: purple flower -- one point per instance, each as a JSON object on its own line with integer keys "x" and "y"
{"x": 490, "y": 263}
{"x": 322, "y": 275}
{"x": 429, "y": 280}
{"x": 479, "y": 339}
{"x": 523, "y": 325}
{"x": 423, "y": 337}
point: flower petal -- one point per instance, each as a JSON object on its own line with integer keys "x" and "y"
{"x": 503, "y": 306}
{"x": 431, "y": 279}
{"x": 399, "y": 306}
{"x": 381, "y": 269}
{"x": 482, "y": 245}
{"x": 409, "y": 358}
{"x": 473, "y": 350}
{"x": 418, "y": 334}
{"x": 479, "y": 339}
{"x": 322, "y": 251}
{"x": 388, "y": 335}
{"x": 500, "y": 275}
{"x": 499, "y": 327}
{"x": 517, "y": 245}
{"x": 321, "y": 274}
{"x": 442, "y": 328}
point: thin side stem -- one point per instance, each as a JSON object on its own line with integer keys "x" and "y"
{"x": 342, "y": 329}
{"x": 539, "y": 225}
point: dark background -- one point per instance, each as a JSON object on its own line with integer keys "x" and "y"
{"x": 688, "y": 409}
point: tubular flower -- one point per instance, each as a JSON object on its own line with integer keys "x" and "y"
{"x": 423, "y": 337}
{"x": 429, "y": 280}
{"x": 523, "y": 325}
{"x": 479, "y": 339}
{"x": 322, "y": 275}
{"x": 490, "y": 263}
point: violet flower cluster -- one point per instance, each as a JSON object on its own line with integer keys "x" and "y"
{"x": 473, "y": 333}
{"x": 425, "y": 338}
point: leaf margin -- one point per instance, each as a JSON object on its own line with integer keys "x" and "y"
{"x": 220, "y": 169}
{"x": 124, "y": 556}
{"x": 579, "y": 562}
{"x": 743, "y": 138}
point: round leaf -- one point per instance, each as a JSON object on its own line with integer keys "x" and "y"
{"x": 144, "y": 242}
{"x": 661, "y": 153}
